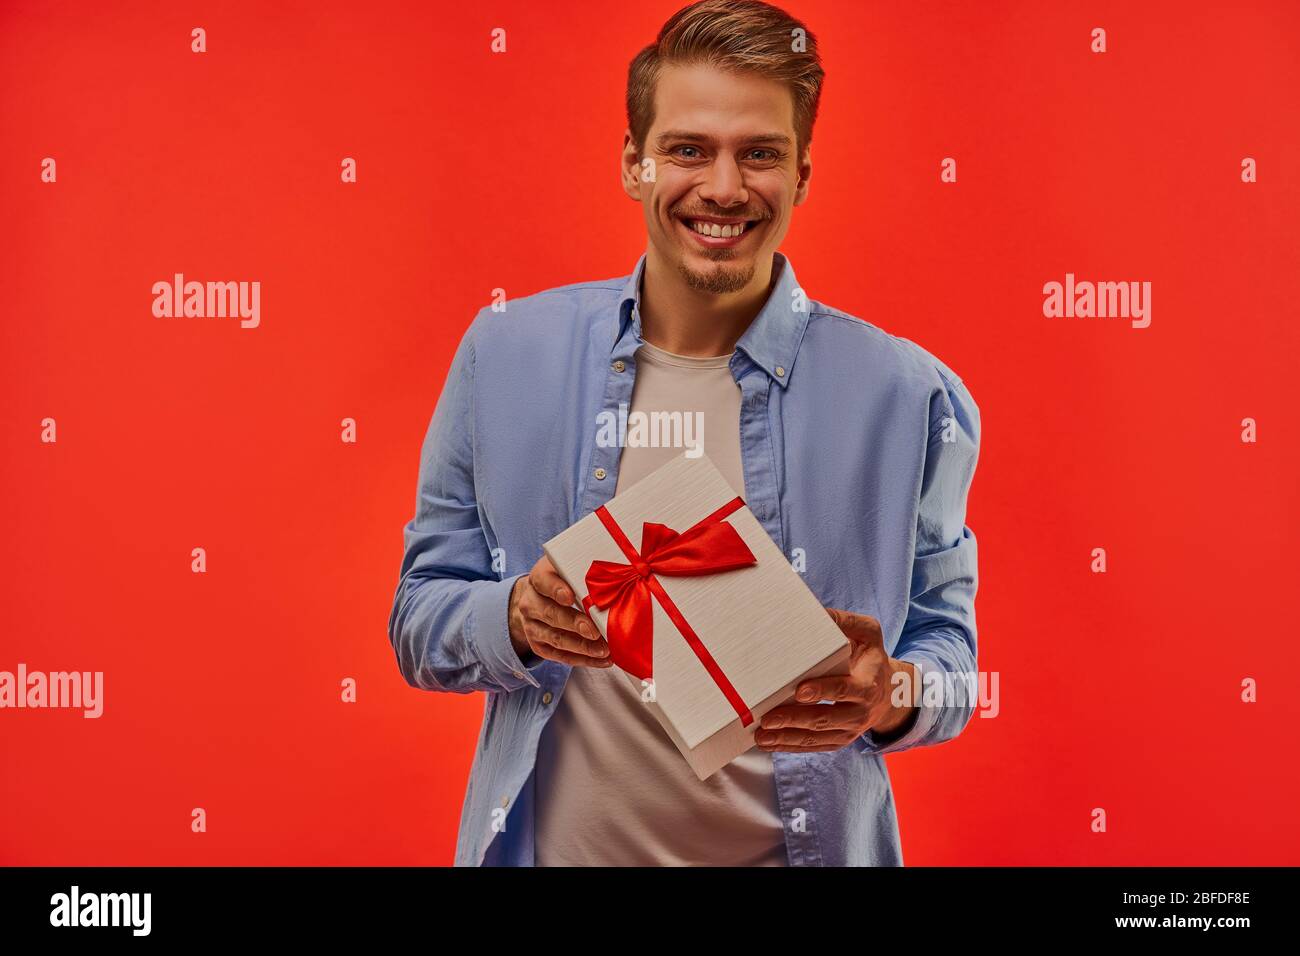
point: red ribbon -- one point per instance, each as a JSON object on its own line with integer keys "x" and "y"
{"x": 710, "y": 546}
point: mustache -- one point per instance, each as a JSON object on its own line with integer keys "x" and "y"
{"x": 720, "y": 214}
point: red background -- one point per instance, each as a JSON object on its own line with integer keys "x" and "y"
{"x": 1118, "y": 690}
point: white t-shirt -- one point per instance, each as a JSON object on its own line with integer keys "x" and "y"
{"x": 612, "y": 789}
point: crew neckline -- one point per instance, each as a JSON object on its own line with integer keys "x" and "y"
{"x": 663, "y": 357}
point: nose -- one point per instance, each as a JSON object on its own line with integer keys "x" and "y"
{"x": 724, "y": 184}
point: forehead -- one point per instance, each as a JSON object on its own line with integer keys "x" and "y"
{"x": 703, "y": 99}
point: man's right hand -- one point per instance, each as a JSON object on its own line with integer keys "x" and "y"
{"x": 543, "y": 620}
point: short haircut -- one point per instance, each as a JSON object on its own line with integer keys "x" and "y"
{"x": 735, "y": 35}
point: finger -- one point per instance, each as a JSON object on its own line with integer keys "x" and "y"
{"x": 845, "y": 716}
{"x": 830, "y": 687}
{"x": 543, "y": 609}
{"x": 539, "y": 633}
{"x": 547, "y": 581}
{"x": 799, "y": 739}
{"x": 859, "y": 628}
{"x": 552, "y": 653}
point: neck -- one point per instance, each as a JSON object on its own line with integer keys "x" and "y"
{"x": 686, "y": 321}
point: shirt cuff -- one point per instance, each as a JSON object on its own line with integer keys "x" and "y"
{"x": 923, "y": 720}
{"x": 489, "y": 631}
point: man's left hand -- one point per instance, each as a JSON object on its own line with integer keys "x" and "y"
{"x": 861, "y": 697}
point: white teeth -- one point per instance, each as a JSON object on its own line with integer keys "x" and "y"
{"x": 717, "y": 231}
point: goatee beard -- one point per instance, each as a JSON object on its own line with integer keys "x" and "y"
{"x": 716, "y": 281}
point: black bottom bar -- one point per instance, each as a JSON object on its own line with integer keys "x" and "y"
{"x": 332, "y": 904}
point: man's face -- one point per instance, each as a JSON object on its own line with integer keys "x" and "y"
{"x": 726, "y": 177}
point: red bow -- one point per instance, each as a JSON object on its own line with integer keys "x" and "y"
{"x": 710, "y": 546}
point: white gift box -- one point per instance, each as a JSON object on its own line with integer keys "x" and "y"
{"x": 725, "y": 645}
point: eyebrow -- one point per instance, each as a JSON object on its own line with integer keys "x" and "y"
{"x": 664, "y": 138}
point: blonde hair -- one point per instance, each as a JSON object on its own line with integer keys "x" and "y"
{"x": 734, "y": 35}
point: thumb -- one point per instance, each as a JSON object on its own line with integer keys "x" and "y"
{"x": 858, "y": 628}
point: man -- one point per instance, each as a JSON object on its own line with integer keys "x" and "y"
{"x": 854, "y": 448}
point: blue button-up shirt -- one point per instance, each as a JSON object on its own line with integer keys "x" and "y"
{"x": 858, "y": 447}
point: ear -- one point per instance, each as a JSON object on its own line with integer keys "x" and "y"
{"x": 630, "y": 167}
{"x": 805, "y": 173}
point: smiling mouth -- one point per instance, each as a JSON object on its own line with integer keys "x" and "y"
{"x": 719, "y": 232}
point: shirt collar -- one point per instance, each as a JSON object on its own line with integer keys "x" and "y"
{"x": 772, "y": 339}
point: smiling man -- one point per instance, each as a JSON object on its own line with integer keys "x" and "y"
{"x": 854, "y": 448}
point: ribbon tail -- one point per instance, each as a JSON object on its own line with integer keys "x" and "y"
{"x": 631, "y": 632}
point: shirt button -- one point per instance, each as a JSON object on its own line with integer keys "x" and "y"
{"x": 505, "y": 801}
{"x": 780, "y": 371}
{"x": 600, "y": 474}
{"x": 519, "y": 674}
{"x": 619, "y": 365}
{"x": 546, "y": 698}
